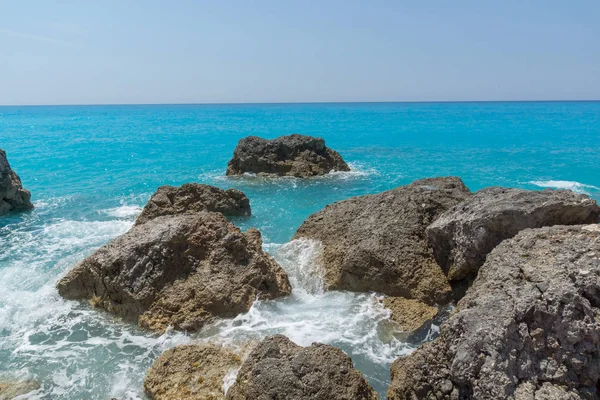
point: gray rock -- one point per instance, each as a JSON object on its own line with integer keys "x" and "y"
{"x": 528, "y": 328}
{"x": 279, "y": 369}
{"x": 464, "y": 235}
{"x": 194, "y": 197}
{"x": 293, "y": 155}
{"x": 182, "y": 271}
{"x": 378, "y": 242}
{"x": 12, "y": 195}
{"x": 12, "y": 389}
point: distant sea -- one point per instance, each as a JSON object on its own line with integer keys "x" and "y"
{"x": 91, "y": 168}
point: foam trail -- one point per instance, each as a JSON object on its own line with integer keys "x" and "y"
{"x": 570, "y": 185}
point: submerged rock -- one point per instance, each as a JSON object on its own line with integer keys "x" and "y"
{"x": 528, "y": 328}
{"x": 194, "y": 197}
{"x": 408, "y": 314}
{"x": 279, "y": 369}
{"x": 378, "y": 242}
{"x": 11, "y": 389}
{"x": 191, "y": 372}
{"x": 182, "y": 271}
{"x": 12, "y": 195}
{"x": 463, "y": 236}
{"x": 293, "y": 155}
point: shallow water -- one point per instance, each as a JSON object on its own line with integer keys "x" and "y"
{"x": 91, "y": 169}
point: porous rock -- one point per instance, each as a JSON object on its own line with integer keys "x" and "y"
{"x": 528, "y": 328}
{"x": 182, "y": 271}
{"x": 464, "y": 235}
{"x": 409, "y": 314}
{"x": 378, "y": 242}
{"x": 194, "y": 197}
{"x": 292, "y": 155}
{"x": 279, "y": 369}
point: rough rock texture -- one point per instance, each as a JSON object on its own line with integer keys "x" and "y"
{"x": 409, "y": 314}
{"x": 190, "y": 372}
{"x": 193, "y": 197}
{"x": 378, "y": 242}
{"x": 12, "y": 195}
{"x": 279, "y": 369}
{"x": 464, "y": 235}
{"x": 10, "y": 390}
{"x": 293, "y": 155}
{"x": 528, "y": 327}
{"x": 182, "y": 271}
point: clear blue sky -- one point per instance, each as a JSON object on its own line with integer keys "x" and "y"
{"x": 178, "y": 51}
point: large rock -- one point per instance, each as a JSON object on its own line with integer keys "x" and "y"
{"x": 528, "y": 328}
{"x": 279, "y": 369}
{"x": 12, "y": 195}
{"x": 378, "y": 242}
{"x": 191, "y": 372}
{"x": 182, "y": 271}
{"x": 293, "y": 155}
{"x": 464, "y": 235}
{"x": 193, "y": 197}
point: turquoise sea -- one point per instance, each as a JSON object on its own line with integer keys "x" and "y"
{"x": 91, "y": 168}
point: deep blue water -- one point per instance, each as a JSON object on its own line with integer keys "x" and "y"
{"x": 90, "y": 168}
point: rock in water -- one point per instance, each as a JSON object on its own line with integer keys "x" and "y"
{"x": 183, "y": 271}
{"x": 464, "y": 235}
{"x": 193, "y": 372}
{"x": 12, "y": 195}
{"x": 378, "y": 242}
{"x": 279, "y": 369}
{"x": 293, "y": 155}
{"x": 12, "y": 389}
{"x": 409, "y": 315}
{"x": 193, "y": 197}
{"x": 528, "y": 328}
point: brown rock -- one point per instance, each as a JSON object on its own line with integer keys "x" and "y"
{"x": 279, "y": 369}
{"x": 11, "y": 389}
{"x": 190, "y": 372}
{"x": 184, "y": 271}
{"x": 194, "y": 197}
{"x": 409, "y": 315}
{"x": 378, "y": 242}
{"x": 12, "y": 195}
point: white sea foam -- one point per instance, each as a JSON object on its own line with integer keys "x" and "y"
{"x": 570, "y": 185}
{"x": 124, "y": 211}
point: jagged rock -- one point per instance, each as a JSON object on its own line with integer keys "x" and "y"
{"x": 194, "y": 197}
{"x": 378, "y": 242}
{"x": 528, "y": 328}
{"x": 279, "y": 369}
{"x": 463, "y": 236}
{"x": 409, "y": 315}
{"x": 12, "y": 195}
{"x": 183, "y": 271}
{"x": 293, "y": 155}
{"x": 11, "y": 389}
{"x": 191, "y": 372}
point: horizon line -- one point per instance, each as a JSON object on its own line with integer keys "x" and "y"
{"x": 303, "y": 102}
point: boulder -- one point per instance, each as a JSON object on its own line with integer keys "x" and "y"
{"x": 12, "y": 389}
{"x": 378, "y": 242}
{"x": 279, "y": 369}
{"x": 191, "y": 372}
{"x": 293, "y": 155}
{"x": 409, "y": 315}
{"x": 528, "y": 328}
{"x": 194, "y": 197}
{"x": 12, "y": 195}
{"x": 464, "y": 235}
{"x": 182, "y": 271}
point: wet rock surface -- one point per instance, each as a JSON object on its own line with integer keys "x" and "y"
{"x": 408, "y": 314}
{"x": 378, "y": 242}
{"x": 527, "y": 328}
{"x": 279, "y": 369}
{"x": 293, "y": 155}
{"x": 12, "y": 195}
{"x": 194, "y": 372}
{"x": 12, "y": 389}
{"x": 194, "y": 197}
{"x": 182, "y": 271}
{"x": 463, "y": 236}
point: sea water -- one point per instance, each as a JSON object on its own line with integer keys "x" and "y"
{"x": 91, "y": 168}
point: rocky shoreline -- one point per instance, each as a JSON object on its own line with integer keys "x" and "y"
{"x": 12, "y": 195}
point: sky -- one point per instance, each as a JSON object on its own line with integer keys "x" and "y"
{"x": 226, "y": 51}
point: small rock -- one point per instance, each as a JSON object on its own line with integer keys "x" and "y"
{"x": 12, "y": 195}
{"x": 11, "y": 389}
{"x": 410, "y": 315}
{"x": 293, "y": 155}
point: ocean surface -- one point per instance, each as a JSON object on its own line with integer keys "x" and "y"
{"x": 91, "y": 168}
